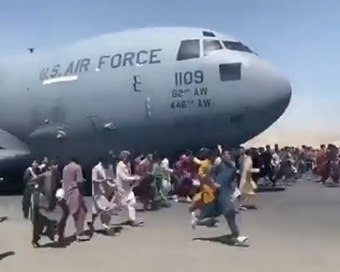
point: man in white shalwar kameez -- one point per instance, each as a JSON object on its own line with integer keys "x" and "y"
{"x": 167, "y": 172}
{"x": 126, "y": 182}
{"x": 101, "y": 205}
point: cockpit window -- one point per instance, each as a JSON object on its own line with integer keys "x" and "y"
{"x": 230, "y": 71}
{"x": 210, "y": 46}
{"x": 208, "y": 34}
{"x": 189, "y": 49}
{"x": 237, "y": 46}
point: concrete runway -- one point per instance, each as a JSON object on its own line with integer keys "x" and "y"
{"x": 293, "y": 230}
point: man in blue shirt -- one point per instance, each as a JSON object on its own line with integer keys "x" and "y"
{"x": 225, "y": 178}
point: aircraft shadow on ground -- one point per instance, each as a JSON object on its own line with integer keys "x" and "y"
{"x": 3, "y": 219}
{"x": 71, "y": 239}
{"x": 332, "y": 185}
{"x": 265, "y": 189}
{"x": 224, "y": 240}
{"x": 6, "y": 254}
{"x": 112, "y": 232}
{"x": 68, "y": 241}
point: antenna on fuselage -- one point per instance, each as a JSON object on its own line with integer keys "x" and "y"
{"x": 31, "y": 50}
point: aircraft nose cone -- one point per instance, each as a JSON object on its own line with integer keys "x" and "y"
{"x": 271, "y": 90}
{"x": 267, "y": 97}
{"x": 283, "y": 92}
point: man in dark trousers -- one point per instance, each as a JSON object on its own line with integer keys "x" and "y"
{"x": 267, "y": 171}
{"x": 30, "y": 176}
{"x": 225, "y": 180}
{"x": 50, "y": 183}
{"x": 39, "y": 209}
{"x": 60, "y": 196}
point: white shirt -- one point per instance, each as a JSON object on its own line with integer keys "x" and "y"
{"x": 165, "y": 165}
{"x": 123, "y": 177}
{"x": 218, "y": 160}
{"x": 98, "y": 180}
{"x": 166, "y": 169}
{"x": 275, "y": 159}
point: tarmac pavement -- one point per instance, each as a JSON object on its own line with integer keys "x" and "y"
{"x": 293, "y": 230}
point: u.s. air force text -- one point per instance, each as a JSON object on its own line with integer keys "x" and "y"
{"x": 142, "y": 57}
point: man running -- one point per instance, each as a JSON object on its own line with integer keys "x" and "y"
{"x": 225, "y": 181}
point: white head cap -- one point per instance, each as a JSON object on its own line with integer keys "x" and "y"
{"x": 165, "y": 163}
{"x": 60, "y": 194}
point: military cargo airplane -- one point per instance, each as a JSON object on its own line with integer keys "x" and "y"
{"x": 145, "y": 89}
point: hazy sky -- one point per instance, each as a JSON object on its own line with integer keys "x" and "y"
{"x": 301, "y": 37}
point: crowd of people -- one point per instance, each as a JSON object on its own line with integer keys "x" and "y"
{"x": 214, "y": 182}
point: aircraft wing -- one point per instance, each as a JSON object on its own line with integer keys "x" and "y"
{"x": 11, "y": 149}
{"x": 11, "y": 154}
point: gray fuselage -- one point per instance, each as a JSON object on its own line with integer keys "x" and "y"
{"x": 129, "y": 90}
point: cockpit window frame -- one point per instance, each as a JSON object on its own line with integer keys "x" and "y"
{"x": 194, "y": 55}
{"x": 237, "y": 46}
{"x": 208, "y": 34}
{"x": 204, "y": 41}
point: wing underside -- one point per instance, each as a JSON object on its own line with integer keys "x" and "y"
{"x": 12, "y": 150}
